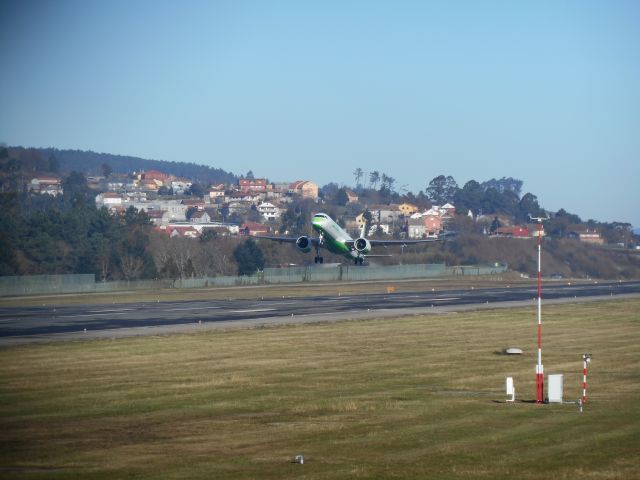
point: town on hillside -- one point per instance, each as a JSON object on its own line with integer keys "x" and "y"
{"x": 179, "y": 207}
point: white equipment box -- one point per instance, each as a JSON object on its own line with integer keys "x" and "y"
{"x": 555, "y": 388}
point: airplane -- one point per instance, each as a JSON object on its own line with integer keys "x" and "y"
{"x": 332, "y": 237}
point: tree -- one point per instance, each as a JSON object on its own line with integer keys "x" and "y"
{"x": 195, "y": 190}
{"x": 106, "y": 170}
{"x": 190, "y": 211}
{"x": 387, "y": 182}
{"x": 341, "y": 197}
{"x": 469, "y": 197}
{"x": 249, "y": 175}
{"x": 528, "y": 206}
{"x": 358, "y": 173}
{"x": 54, "y": 165}
{"x": 442, "y": 190}
{"x": 75, "y": 189}
{"x": 374, "y": 178}
{"x": 505, "y": 184}
{"x": 249, "y": 257}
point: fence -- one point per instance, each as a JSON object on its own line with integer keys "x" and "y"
{"x": 55, "y": 284}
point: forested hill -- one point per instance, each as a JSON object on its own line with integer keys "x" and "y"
{"x": 91, "y": 163}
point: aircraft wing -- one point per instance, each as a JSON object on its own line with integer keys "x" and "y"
{"x": 386, "y": 243}
{"x": 314, "y": 240}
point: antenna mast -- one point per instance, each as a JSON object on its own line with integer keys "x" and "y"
{"x": 539, "y": 367}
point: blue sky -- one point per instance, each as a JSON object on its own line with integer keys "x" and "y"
{"x": 544, "y": 91}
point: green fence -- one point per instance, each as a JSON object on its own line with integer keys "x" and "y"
{"x": 55, "y": 284}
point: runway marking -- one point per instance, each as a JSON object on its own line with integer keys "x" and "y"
{"x": 112, "y": 311}
{"x": 253, "y": 310}
{"x": 188, "y": 308}
{"x": 443, "y": 299}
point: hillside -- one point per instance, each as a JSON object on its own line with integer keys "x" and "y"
{"x": 91, "y": 163}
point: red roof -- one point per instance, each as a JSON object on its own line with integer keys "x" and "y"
{"x": 154, "y": 174}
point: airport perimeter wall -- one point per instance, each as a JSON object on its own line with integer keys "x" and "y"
{"x": 84, "y": 283}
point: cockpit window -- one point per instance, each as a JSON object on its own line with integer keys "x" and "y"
{"x": 320, "y": 215}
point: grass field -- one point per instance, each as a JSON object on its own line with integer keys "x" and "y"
{"x": 418, "y": 397}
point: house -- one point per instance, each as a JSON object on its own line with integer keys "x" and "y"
{"x": 154, "y": 175}
{"x": 513, "y": 231}
{"x": 184, "y": 232}
{"x": 385, "y": 214}
{"x": 304, "y": 188}
{"x": 269, "y": 211}
{"x": 200, "y": 216}
{"x": 432, "y": 225}
{"x": 198, "y": 204}
{"x": 108, "y": 199}
{"x": 250, "y": 197}
{"x": 253, "y": 229}
{"x": 252, "y": 185}
{"x": 216, "y": 193}
{"x": 352, "y": 197}
{"x": 407, "y": 209}
{"x": 46, "y": 185}
{"x": 448, "y": 210}
{"x": 588, "y": 235}
{"x": 180, "y": 186}
{"x": 158, "y": 217}
{"x": 415, "y": 228}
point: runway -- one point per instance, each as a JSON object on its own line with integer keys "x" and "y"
{"x": 26, "y": 325}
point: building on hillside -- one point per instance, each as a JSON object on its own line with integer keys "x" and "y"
{"x": 587, "y": 235}
{"x": 197, "y": 203}
{"x": 46, "y": 185}
{"x": 154, "y": 175}
{"x": 432, "y": 225}
{"x": 407, "y": 209}
{"x": 252, "y": 185}
{"x": 176, "y": 212}
{"x": 249, "y": 197}
{"x": 415, "y": 228}
{"x": 253, "y": 229}
{"x": 200, "y": 216}
{"x": 269, "y": 211}
{"x": 304, "y": 188}
{"x": 180, "y": 186}
{"x": 448, "y": 210}
{"x": 108, "y": 200}
{"x": 352, "y": 197}
{"x": 158, "y": 217}
{"x": 216, "y": 193}
{"x": 385, "y": 214}
{"x": 182, "y": 231}
{"x": 513, "y": 231}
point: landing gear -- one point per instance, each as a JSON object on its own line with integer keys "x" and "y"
{"x": 318, "y": 258}
{"x": 358, "y": 261}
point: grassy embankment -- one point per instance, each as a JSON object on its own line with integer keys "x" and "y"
{"x": 419, "y": 397}
{"x": 270, "y": 291}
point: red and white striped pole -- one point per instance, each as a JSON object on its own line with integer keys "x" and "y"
{"x": 539, "y": 367}
{"x": 586, "y": 358}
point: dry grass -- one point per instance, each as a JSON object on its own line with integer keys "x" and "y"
{"x": 418, "y": 397}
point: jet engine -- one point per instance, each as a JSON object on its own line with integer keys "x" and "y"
{"x": 362, "y": 245}
{"x": 304, "y": 244}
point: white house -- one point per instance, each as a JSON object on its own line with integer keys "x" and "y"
{"x": 269, "y": 211}
{"x": 108, "y": 199}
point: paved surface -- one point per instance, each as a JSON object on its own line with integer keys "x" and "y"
{"x": 48, "y": 323}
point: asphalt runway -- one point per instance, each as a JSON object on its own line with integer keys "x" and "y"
{"x": 48, "y": 323}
